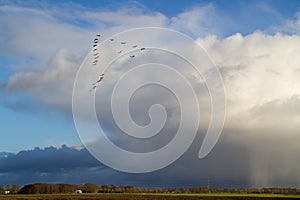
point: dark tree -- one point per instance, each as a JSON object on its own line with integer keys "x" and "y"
{"x": 90, "y": 188}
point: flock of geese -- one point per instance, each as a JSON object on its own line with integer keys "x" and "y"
{"x": 96, "y": 56}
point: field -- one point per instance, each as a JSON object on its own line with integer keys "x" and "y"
{"x": 149, "y": 197}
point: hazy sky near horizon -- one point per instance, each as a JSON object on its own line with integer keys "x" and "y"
{"x": 255, "y": 44}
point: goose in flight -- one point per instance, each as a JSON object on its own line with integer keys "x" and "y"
{"x": 132, "y": 56}
{"x": 98, "y": 35}
{"x": 123, "y": 42}
{"x": 94, "y": 87}
{"x": 98, "y": 81}
{"x": 143, "y": 48}
{"x": 111, "y": 39}
{"x": 101, "y": 77}
{"x": 134, "y": 46}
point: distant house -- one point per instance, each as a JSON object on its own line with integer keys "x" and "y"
{"x": 6, "y": 192}
{"x": 78, "y": 191}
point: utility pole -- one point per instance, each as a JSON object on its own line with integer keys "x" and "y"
{"x": 208, "y": 183}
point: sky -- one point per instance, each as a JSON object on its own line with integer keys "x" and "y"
{"x": 254, "y": 44}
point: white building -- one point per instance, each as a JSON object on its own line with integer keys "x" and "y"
{"x": 78, "y": 191}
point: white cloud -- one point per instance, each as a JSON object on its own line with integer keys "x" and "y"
{"x": 294, "y": 25}
{"x": 257, "y": 69}
{"x": 127, "y": 18}
{"x": 53, "y": 86}
{"x": 199, "y": 21}
{"x": 290, "y": 26}
{"x": 33, "y": 33}
{"x": 50, "y": 48}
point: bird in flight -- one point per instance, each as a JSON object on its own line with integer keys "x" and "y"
{"x": 95, "y": 54}
{"x": 95, "y": 62}
{"x": 132, "y": 56}
{"x": 94, "y": 87}
{"x": 143, "y": 49}
{"x": 134, "y": 46}
{"x": 98, "y": 81}
{"x": 98, "y": 35}
{"x": 111, "y": 39}
{"x": 101, "y": 77}
{"x": 123, "y": 42}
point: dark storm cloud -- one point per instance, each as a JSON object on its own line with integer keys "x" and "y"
{"x": 231, "y": 164}
{"x": 48, "y": 159}
{"x": 226, "y": 167}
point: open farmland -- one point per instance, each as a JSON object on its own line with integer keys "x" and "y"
{"x": 149, "y": 197}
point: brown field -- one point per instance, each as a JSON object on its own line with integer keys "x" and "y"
{"x": 143, "y": 197}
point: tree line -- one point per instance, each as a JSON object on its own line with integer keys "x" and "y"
{"x": 40, "y": 188}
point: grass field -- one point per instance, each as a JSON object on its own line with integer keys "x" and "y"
{"x": 214, "y": 196}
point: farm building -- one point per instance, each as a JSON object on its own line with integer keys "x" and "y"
{"x": 6, "y": 192}
{"x": 78, "y": 191}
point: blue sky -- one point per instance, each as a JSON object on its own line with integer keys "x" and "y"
{"x": 254, "y": 43}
